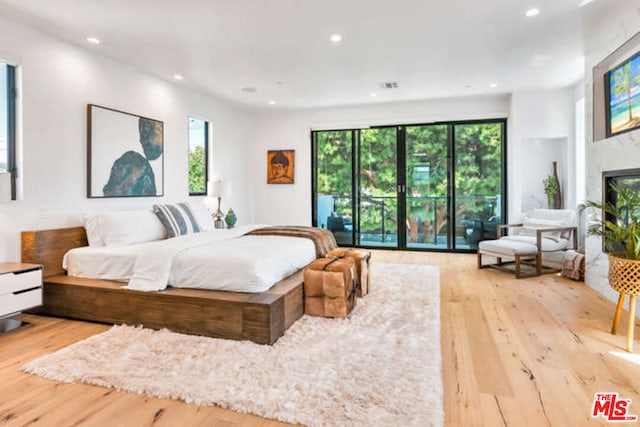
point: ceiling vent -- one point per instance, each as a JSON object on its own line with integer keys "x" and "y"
{"x": 389, "y": 85}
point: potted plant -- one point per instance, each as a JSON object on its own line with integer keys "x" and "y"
{"x": 620, "y": 229}
{"x": 550, "y": 188}
{"x": 623, "y": 234}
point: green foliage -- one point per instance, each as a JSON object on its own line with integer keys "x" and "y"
{"x": 626, "y": 230}
{"x": 334, "y": 163}
{"x": 478, "y": 164}
{"x": 197, "y": 173}
{"x": 478, "y": 159}
{"x": 378, "y": 179}
{"x": 550, "y": 184}
{"x": 621, "y": 80}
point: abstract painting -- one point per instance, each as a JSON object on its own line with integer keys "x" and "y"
{"x": 125, "y": 154}
{"x": 280, "y": 166}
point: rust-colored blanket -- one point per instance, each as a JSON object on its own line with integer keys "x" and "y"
{"x": 323, "y": 239}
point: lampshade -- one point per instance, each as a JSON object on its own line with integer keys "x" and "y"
{"x": 210, "y": 203}
{"x": 5, "y": 187}
{"x": 217, "y": 188}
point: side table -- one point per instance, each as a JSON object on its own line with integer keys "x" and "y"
{"x": 20, "y": 289}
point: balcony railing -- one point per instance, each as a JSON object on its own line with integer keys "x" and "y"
{"x": 381, "y": 225}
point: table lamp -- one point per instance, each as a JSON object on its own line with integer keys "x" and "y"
{"x": 217, "y": 190}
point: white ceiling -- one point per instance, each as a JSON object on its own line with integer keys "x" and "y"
{"x": 432, "y": 48}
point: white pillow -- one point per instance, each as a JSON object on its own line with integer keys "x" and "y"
{"x": 127, "y": 227}
{"x": 530, "y": 225}
{"x": 202, "y": 214}
{"x": 92, "y": 227}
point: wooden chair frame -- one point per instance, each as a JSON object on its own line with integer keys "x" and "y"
{"x": 536, "y": 256}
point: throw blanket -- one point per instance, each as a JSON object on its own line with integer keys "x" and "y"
{"x": 323, "y": 239}
{"x": 571, "y": 264}
{"x": 152, "y": 268}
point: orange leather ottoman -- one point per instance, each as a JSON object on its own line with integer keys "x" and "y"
{"x": 329, "y": 287}
{"x": 362, "y": 258}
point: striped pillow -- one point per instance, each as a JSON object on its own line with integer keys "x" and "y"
{"x": 178, "y": 219}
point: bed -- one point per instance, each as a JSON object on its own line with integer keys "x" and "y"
{"x": 261, "y": 317}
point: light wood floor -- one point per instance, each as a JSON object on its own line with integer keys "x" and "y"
{"x": 529, "y": 352}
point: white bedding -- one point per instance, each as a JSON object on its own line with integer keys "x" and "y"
{"x": 220, "y": 260}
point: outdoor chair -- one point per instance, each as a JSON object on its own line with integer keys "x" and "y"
{"x": 537, "y": 244}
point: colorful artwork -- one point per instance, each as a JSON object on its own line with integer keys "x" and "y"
{"x": 623, "y": 87}
{"x": 125, "y": 154}
{"x": 280, "y": 166}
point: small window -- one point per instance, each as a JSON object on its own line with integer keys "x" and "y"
{"x": 198, "y": 154}
{"x": 7, "y": 127}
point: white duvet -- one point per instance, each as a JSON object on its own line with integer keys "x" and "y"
{"x": 225, "y": 260}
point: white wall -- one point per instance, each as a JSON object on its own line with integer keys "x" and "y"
{"x": 530, "y": 174}
{"x": 543, "y": 115}
{"x": 291, "y": 204}
{"x": 58, "y": 81}
{"x": 580, "y": 143}
{"x": 616, "y": 22}
{"x": 540, "y": 120}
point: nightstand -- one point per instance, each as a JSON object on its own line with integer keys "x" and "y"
{"x": 20, "y": 289}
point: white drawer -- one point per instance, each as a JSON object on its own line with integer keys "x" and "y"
{"x": 13, "y": 282}
{"x": 12, "y": 303}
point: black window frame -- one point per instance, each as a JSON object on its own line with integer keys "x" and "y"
{"x": 11, "y": 126}
{"x": 451, "y": 124}
{"x": 610, "y": 196}
{"x": 206, "y": 156}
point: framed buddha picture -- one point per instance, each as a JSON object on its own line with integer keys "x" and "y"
{"x": 280, "y": 166}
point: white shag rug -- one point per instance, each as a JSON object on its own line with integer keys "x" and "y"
{"x": 381, "y": 366}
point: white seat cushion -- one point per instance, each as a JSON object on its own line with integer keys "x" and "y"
{"x": 548, "y": 245}
{"x": 506, "y": 247}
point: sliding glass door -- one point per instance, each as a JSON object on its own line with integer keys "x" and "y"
{"x": 377, "y": 189}
{"x": 427, "y": 173}
{"x": 437, "y": 186}
{"x": 479, "y": 182}
{"x": 334, "y": 189}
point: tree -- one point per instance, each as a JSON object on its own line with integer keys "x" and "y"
{"x": 478, "y": 177}
{"x": 622, "y": 80}
{"x": 197, "y": 173}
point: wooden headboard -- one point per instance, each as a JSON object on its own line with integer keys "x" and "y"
{"x": 47, "y": 247}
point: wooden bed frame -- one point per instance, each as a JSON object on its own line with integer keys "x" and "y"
{"x": 261, "y": 317}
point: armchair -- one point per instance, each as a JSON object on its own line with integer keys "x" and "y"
{"x": 540, "y": 240}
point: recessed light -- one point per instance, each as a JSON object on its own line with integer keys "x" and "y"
{"x": 532, "y": 12}
{"x": 389, "y": 85}
{"x": 373, "y": 94}
{"x": 178, "y": 76}
{"x": 584, "y": 3}
{"x": 336, "y": 38}
{"x": 493, "y": 85}
{"x": 248, "y": 89}
{"x": 93, "y": 40}
{"x": 272, "y": 102}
